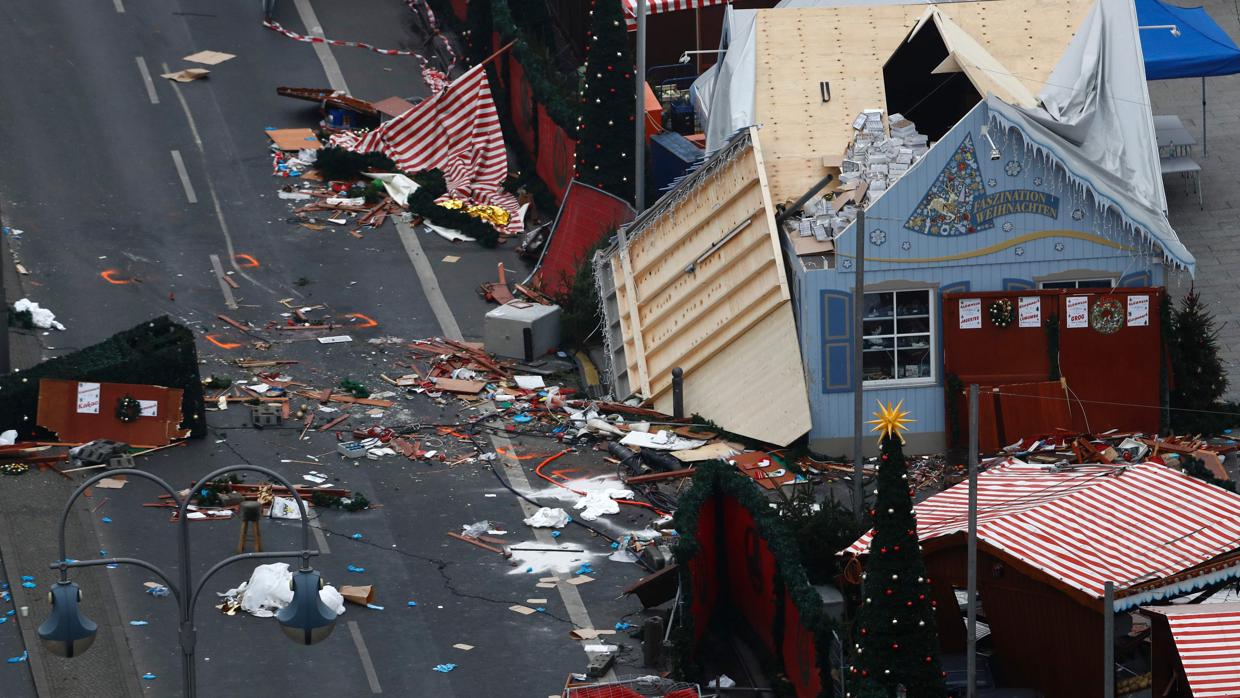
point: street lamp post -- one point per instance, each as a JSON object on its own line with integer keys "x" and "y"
{"x": 307, "y": 620}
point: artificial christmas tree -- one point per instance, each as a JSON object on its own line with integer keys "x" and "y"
{"x": 1196, "y": 369}
{"x": 605, "y": 124}
{"x": 896, "y": 645}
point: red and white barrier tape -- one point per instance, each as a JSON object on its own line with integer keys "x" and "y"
{"x": 436, "y": 80}
{"x": 275, "y": 26}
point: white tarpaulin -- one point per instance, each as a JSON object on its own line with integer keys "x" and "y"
{"x": 1095, "y": 122}
{"x": 268, "y": 590}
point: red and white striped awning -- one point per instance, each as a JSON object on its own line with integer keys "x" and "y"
{"x": 1090, "y": 524}
{"x": 660, "y": 6}
{"x": 1207, "y": 638}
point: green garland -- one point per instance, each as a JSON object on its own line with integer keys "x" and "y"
{"x": 561, "y": 107}
{"x": 431, "y": 186}
{"x": 715, "y": 478}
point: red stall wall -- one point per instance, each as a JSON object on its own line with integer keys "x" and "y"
{"x": 751, "y": 571}
{"x": 1123, "y": 368}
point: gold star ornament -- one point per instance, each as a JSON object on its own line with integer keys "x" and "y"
{"x": 890, "y": 420}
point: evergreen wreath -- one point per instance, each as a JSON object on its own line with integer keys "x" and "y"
{"x": 128, "y": 409}
{"x": 1107, "y": 316}
{"x": 1001, "y": 312}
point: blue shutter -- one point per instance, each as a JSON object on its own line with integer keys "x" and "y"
{"x": 837, "y": 322}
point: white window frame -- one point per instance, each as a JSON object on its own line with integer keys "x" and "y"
{"x": 1076, "y": 283}
{"x": 932, "y": 318}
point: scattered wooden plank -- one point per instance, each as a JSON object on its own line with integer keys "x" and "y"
{"x": 656, "y": 477}
{"x": 334, "y": 422}
{"x": 478, "y": 543}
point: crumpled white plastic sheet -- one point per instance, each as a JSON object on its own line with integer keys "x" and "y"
{"x": 548, "y": 517}
{"x": 398, "y": 186}
{"x": 267, "y": 591}
{"x": 42, "y": 317}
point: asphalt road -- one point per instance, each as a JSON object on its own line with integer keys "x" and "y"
{"x": 90, "y": 169}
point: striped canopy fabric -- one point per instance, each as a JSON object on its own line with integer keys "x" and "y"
{"x": 1090, "y": 524}
{"x": 1208, "y": 641}
{"x": 457, "y": 131}
{"x": 659, "y": 6}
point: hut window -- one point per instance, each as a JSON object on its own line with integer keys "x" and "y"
{"x": 898, "y": 345}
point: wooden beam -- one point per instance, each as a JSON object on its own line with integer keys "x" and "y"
{"x": 635, "y": 325}
{"x": 769, "y": 207}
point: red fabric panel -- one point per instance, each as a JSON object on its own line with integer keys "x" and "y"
{"x": 995, "y": 356}
{"x": 586, "y": 216}
{"x": 521, "y": 105}
{"x": 703, "y": 571}
{"x": 751, "y": 571}
{"x": 460, "y": 8}
{"x": 555, "y": 155}
{"x": 800, "y": 654}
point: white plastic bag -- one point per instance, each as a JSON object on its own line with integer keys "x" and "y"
{"x": 548, "y": 517}
{"x": 284, "y": 508}
{"x": 332, "y": 599}
{"x": 267, "y": 591}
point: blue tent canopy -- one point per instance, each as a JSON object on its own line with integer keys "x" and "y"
{"x": 1202, "y": 49}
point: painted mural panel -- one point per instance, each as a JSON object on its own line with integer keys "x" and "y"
{"x": 960, "y": 220}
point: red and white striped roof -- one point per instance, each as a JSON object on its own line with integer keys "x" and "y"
{"x": 1207, "y": 638}
{"x": 659, "y": 6}
{"x": 457, "y": 131}
{"x": 1089, "y": 524}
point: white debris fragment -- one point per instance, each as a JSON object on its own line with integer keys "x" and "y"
{"x": 41, "y": 317}
{"x": 548, "y": 517}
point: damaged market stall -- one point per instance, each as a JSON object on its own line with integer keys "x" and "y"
{"x": 697, "y": 283}
{"x": 1050, "y": 538}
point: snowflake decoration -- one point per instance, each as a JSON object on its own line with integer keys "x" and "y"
{"x": 1078, "y": 214}
{"x": 1020, "y": 252}
{"x": 847, "y": 264}
{"x": 878, "y": 237}
{"x": 1037, "y": 181}
{"x": 992, "y": 182}
{"x": 906, "y": 245}
{"x": 1059, "y": 247}
{"x": 1012, "y": 168}
{"x": 1008, "y": 227}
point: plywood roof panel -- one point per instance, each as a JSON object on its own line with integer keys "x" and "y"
{"x": 700, "y": 285}
{"x": 797, "y": 48}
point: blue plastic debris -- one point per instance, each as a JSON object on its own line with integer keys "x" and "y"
{"x": 615, "y": 546}
{"x": 9, "y": 612}
{"x": 148, "y": 676}
{"x": 138, "y": 622}
{"x": 444, "y": 668}
{"x": 522, "y": 419}
{"x": 103, "y": 553}
{"x": 623, "y": 626}
{"x": 356, "y": 536}
{"x": 112, "y": 566}
{"x": 19, "y": 658}
{"x": 374, "y": 607}
{"x": 4, "y": 585}
{"x": 529, "y": 570}
{"x": 27, "y": 578}
{"x": 158, "y": 591}
{"x": 540, "y": 609}
{"x": 29, "y": 585}
{"x": 356, "y": 570}
{"x": 4, "y": 619}
{"x": 411, "y": 604}
{"x": 106, "y": 519}
{"x": 585, "y": 569}
{"x": 555, "y": 534}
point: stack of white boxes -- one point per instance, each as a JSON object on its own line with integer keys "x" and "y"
{"x": 872, "y": 157}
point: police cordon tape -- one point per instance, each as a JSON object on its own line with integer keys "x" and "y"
{"x": 275, "y": 26}
{"x": 435, "y": 79}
